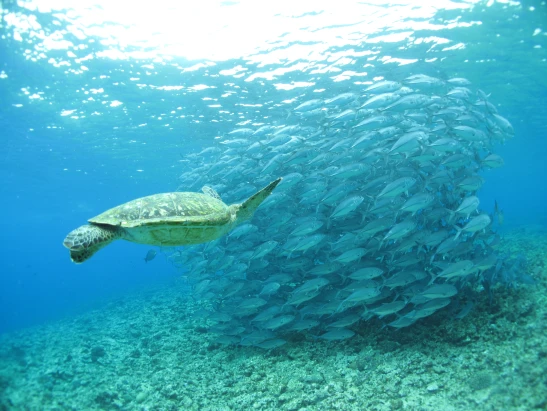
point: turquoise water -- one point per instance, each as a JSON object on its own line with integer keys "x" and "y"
{"x": 104, "y": 103}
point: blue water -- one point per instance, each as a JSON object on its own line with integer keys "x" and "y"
{"x": 183, "y": 77}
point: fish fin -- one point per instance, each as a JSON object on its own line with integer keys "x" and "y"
{"x": 288, "y": 113}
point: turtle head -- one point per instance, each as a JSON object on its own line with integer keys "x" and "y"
{"x": 245, "y": 210}
{"x": 88, "y": 239}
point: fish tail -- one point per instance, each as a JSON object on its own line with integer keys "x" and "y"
{"x": 458, "y": 233}
{"x": 340, "y": 306}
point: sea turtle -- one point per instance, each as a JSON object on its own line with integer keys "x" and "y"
{"x": 167, "y": 219}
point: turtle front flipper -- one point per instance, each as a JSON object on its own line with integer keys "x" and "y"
{"x": 249, "y": 206}
{"x": 88, "y": 239}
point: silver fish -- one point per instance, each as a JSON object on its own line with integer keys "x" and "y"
{"x": 351, "y": 255}
{"x": 401, "y": 185}
{"x": 417, "y": 202}
{"x": 381, "y": 100}
{"x": 337, "y": 335}
{"x": 468, "y": 205}
{"x": 347, "y": 206}
{"x": 384, "y": 87}
{"x": 278, "y": 322}
{"x": 458, "y": 269}
{"x": 366, "y": 273}
{"x": 309, "y": 105}
{"x": 475, "y": 224}
{"x": 439, "y": 291}
{"x": 271, "y": 344}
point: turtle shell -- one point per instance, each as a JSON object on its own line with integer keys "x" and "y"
{"x": 184, "y": 209}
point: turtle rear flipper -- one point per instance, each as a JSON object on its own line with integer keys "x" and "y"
{"x": 249, "y": 206}
{"x": 86, "y": 240}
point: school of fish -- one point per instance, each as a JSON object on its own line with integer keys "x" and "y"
{"x": 376, "y": 218}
